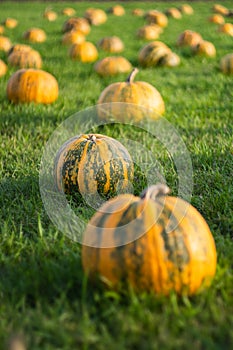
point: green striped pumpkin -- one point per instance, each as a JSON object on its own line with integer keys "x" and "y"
{"x": 93, "y": 164}
{"x": 226, "y": 64}
{"x": 154, "y": 242}
{"x": 151, "y": 54}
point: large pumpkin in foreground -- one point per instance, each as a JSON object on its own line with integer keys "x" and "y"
{"x": 137, "y": 93}
{"x": 156, "y": 243}
{"x": 32, "y": 85}
{"x": 93, "y": 164}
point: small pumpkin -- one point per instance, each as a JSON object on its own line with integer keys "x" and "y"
{"x": 189, "y": 38}
{"x": 85, "y": 52}
{"x": 50, "y": 15}
{"x": 32, "y": 85}
{"x": 226, "y": 64}
{"x": 155, "y": 243}
{"x": 10, "y": 22}
{"x": 3, "y": 68}
{"x": 217, "y": 19}
{"x": 138, "y": 93}
{"x": 204, "y": 48}
{"x": 25, "y": 59}
{"x": 111, "y": 44}
{"x": 117, "y": 10}
{"x": 186, "y": 9}
{"x": 222, "y": 10}
{"x": 226, "y": 28}
{"x": 138, "y": 12}
{"x": 5, "y": 43}
{"x": 112, "y": 65}
{"x": 91, "y": 164}
{"x": 19, "y": 47}
{"x": 73, "y": 37}
{"x": 173, "y": 12}
{"x": 68, "y": 11}
{"x": 95, "y": 16}
{"x": 35, "y": 35}
{"x": 157, "y": 17}
{"x": 77, "y": 23}
{"x": 149, "y": 32}
{"x": 151, "y": 54}
{"x": 2, "y": 29}
{"x": 170, "y": 59}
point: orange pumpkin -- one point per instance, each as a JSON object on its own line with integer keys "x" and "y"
{"x": 170, "y": 59}
{"x": 157, "y": 17}
{"x": 186, "y": 9}
{"x": 32, "y": 85}
{"x": 68, "y": 11}
{"x": 222, "y": 10}
{"x": 217, "y": 19}
{"x": 138, "y": 93}
{"x": 50, "y": 15}
{"x": 3, "y": 68}
{"x": 25, "y": 59}
{"x": 5, "y": 43}
{"x": 173, "y": 12}
{"x": 149, "y": 32}
{"x": 84, "y": 52}
{"x": 117, "y": 10}
{"x": 35, "y": 35}
{"x": 151, "y": 54}
{"x": 138, "y": 12}
{"x": 189, "y": 38}
{"x": 73, "y": 37}
{"x": 10, "y": 22}
{"x": 1, "y": 29}
{"x": 204, "y": 48}
{"x": 111, "y": 44}
{"x": 77, "y": 23}
{"x": 155, "y": 243}
{"x": 112, "y": 65}
{"x": 226, "y": 28}
{"x": 95, "y": 16}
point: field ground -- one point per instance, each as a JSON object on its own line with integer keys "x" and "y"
{"x": 43, "y": 293}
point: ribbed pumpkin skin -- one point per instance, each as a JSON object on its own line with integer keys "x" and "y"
{"x": 5, "y": 43}
{"x": 85, "y": 52}
{"x": 137, "y": 93}
{"x": 88, "y": 164}
{"x": 111, "y": 44}
{"x": 3, "y": 68}
{"x": 113, "y": 65}
{"x": 25, "y": 59}
{"x": 32, "y": 85}
{"x": 35, "y": 35}
{"x": 152, "y": 53}
{"x": 183, "y": 260}
{"x": 226, "y": 64}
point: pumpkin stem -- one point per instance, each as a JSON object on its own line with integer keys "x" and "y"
{"x": 131, "y": 77}
{"x": 155, "y": 191}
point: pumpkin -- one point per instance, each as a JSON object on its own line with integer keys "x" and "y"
{"x": 149, "y": 32}
{"x": 1, "y": 29}
{"x": 117, "y": 10}
{"x": 77, "y": 23}
{"x": 112, "y": 65}
{"x": 189, "y": 38}
{"x": 155, "y": 243}
{"x": 35, "y": 35}
{"x": 138, "y": 12}
{"x": 19, "y": 47}
{"x": 226, "y": 64}
{"x": 204, "y": 48}
{"x": 157, "y": 17}
{"x": 173, "y": 12}
{"x": 85, "y": 52}
{"x": 186, "y": 9}
{"x": 68, "y": 11}
{"x": 50, "y": 15}
{"x": 170, "y": 59}
{"x": 138, "y": 93}
{"x": 95, "y": 16}
{"x": 25, "y": 59}
{"x": 93, "y": 164}
{"x": 32, "y": 85}
{"x": 217, "y": 19}
{"x": 73, "y": 37}
{"x": 3, "y": 68}
{"x": 226, "y": 28}
{"x": 111, "y": 44}
{"x": 151, "y": 54}
{"x": 5, "y": 43}
{"x": 10, "y": 22}
{"x": 222, "y": 10}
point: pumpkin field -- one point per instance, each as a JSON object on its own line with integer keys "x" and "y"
{"x": 164, "y": 70}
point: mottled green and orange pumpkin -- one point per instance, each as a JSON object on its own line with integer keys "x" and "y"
{"x": 156, "y": 243}
{"x": 77, "y": 23}
{"x": 93, "y": 164}
{"x": 132, "y": 93}
{"x": 85, "y": 52}
{"x": 35, "y": 35}
{"x": 204, "y": 48}
{"x": 226, "y": 64}
{"x": 27, "y": 58}
{"x": 32, "y": 85}
{"x": 112, "y": 65}
{"x": 111, "y": 44}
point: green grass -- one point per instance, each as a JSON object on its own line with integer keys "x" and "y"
{"x": 44, "y": 295}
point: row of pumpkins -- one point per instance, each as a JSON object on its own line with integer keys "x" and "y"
{"x": 154, "y": 242}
